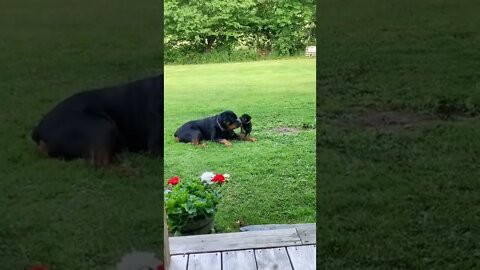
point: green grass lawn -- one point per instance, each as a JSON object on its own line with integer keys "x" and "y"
{"x": 65, "y": 214}
{"x": 399, "y": 198}
{"x": 273, "y": 179}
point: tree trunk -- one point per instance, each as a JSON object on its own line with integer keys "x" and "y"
{"x": 209, "y": 45}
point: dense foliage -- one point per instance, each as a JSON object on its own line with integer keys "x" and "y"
{"x": 238, "y": 29}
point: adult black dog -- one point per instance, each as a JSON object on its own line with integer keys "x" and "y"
{"x": 97, "y": 124}
{"x": 218, "y": 128}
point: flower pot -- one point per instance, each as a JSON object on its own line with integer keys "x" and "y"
{"x": 200, "y": 226}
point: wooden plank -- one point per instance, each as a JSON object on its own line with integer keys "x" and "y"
{"x": 272, "y": 259}
{"x": 308, "y": 234}
{"x": 240, "y": 259}
{"x": 205, "y": 261}
{"x": 234, "y": 241}
{"x": 303, "y": 257}
{"x": 274, "y": 226}
{"x": 178, "y": 262}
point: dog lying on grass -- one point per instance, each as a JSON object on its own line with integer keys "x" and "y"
{"x": 97, "y": 124}
{"x": 218, "y": 128}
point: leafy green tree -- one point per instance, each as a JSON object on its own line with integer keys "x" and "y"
{"x": 204, "y": 24}
{"x": 285, "y": 26}
{"x": 197, "y": 26}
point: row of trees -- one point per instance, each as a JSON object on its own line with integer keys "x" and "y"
{"x": 282, "y": 27}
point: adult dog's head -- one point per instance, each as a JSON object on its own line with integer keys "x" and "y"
{"x": 228, "y": 120}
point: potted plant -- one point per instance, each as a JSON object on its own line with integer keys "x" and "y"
{"x": 191, "y": 203}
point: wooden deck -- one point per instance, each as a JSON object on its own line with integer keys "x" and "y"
{"x": 281, "y": 249}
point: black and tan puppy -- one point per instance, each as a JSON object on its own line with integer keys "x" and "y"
{"x": 218, "y": 128}
{"x": 246, "y": 127}
{"x": 97, "y": 124}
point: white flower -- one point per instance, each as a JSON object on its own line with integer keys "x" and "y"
{"x": 226, "y": 176}
{"x": 207, "y": 177}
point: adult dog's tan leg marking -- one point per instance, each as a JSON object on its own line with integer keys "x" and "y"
{"x": 100, "y": 158}
{"x": 225, "y": 142}
{"x": 106, "y": 157}
{"x": 91, "y": 158}
{"x": 43, "y": 147}
{"x": 196, "y": 142}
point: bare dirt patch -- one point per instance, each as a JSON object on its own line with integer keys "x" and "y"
{"x": 287, "y": 130}
{"x": 390, "y": 120}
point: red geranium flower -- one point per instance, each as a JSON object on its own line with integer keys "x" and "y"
{"x": 173, "y": 181}
{"x": 218, "y": 178}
